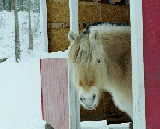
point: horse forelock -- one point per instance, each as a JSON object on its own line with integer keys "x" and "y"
{"x": 84, "y": 50}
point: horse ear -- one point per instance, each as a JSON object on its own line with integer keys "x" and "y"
{"x": 72, "y": 36}
{"x": 95, "y": 35}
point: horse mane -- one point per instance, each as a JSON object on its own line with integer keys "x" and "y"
{"x": 84, "y": 51}
{"x": 87, "y": 50}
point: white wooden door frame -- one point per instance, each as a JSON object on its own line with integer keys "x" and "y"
{"x": 74, "y": 103}
{"x": 139, "y": 121}
{"x": 137, "y": 62}
{"x": 43, "y": 25}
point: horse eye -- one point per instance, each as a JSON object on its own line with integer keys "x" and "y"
{"x": 98, "y": 60}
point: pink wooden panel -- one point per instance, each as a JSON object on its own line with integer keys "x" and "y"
{"x": 54, "y": 82}
{"x": 151, "y": 39}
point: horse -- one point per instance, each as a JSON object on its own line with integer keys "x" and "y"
{"x": 101, "y": 59}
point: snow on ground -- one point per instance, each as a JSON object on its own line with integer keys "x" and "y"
{"x": 20, "y": 97}
{"x": 6, "y": 33}
{"x": 20, "y": 87}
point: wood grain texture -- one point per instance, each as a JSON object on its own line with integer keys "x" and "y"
{"x": 54, "y": 82}
{"x": 114, "y": 13}
{"x": 151, "y": 44}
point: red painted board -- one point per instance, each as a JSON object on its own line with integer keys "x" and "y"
{"x": 54, "y": 83}
{"x": 151, "y": 50}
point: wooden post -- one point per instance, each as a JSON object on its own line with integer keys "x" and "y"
{"x": 43, "y": 25}
{"x": 74, "y": 104}
{"x": 73, "y": 7}
{"x": 137, "y": 65}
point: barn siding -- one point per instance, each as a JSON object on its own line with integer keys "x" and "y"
{"x": 151, "y": 34}
{"x": 54, "y": 82}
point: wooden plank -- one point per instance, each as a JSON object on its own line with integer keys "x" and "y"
{"x": 67, "y": 25}
{"x": 114, "y": 13}
{"x": 73, "y": 6}
{"x": 89, "y": 12}
{"x": 137, "y": 65}
{"x": 54, "y": 78}
{"x": 43, "y": 25}
{"x": 113, "y": 1}
{"x": 74, "y": 104}
{"x": 59, "y": 39}
{"x": 94, "y": 125}
{"x": 120, "y": 126}
{"x": 128, "y": 14}
{"x": 58, "y": 25}
{"x": 151, "y": 42}
{"x": 57, "y": 11}
{"x": 60, "y": 54}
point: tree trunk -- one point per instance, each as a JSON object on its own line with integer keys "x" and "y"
{"x": 22, "y": 5}
{"x": 30, "y": 33}
{"x": 17, "y": 43}
{"x": 9, "y": 5}
{"x": 12, "y": 5}
{"x": 4, "y": 5}
{"x": 38, "y": 6}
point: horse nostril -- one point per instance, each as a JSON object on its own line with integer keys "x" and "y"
{"x": 94, "y": 96}
{"x": 82, "y": 99}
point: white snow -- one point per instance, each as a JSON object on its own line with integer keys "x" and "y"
{"x": 20, "y": 84}
{"x": 20, "y": 95}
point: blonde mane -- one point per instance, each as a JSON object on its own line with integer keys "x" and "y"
{"x": 85, "y": 51}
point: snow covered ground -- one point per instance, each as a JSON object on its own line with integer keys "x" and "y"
{"x": 20, "y": 85}
{"x": 20, "y": 94}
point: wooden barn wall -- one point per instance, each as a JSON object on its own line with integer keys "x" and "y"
{"x": 58, "y": 12}
{"x": 151, "y": 53}
{"x": 54, "y": 83}
{"x": 58, "y": 39}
